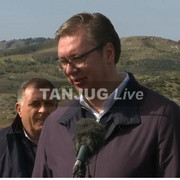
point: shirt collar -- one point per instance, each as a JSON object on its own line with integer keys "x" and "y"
{"x": 26, "y": 135}
{"x": 110, "y": 101}
{"x": 18, "y": 128}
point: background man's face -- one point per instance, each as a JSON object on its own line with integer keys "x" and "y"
{"x": 33, "y": 109}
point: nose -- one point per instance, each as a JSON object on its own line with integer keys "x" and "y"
{"x": 43, "y": 109}
{"x": 70, "y": 69}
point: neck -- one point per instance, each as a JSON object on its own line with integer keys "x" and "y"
{"x": 101, "y": 95}
{"x": 34, "y": 138}
{"x": 96, "y": 104}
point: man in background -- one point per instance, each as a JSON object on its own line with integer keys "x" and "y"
{"x": 18, "y": 142}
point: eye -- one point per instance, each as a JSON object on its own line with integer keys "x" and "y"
{"x": 50, "y": 103}
{"x": 35, "y": 104}
{"x": 78, "y": 59}
{"x": 64, "y": 62}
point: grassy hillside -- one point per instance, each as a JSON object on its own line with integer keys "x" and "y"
{"x": 154, "y": 61}
{"x": 21, "y": 43}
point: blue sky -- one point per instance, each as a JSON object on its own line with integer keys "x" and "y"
{"x": 41, "y": 18}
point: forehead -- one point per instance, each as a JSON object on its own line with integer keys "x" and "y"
{"x": 70, "y": 44}
{"x": 32, "y": 93}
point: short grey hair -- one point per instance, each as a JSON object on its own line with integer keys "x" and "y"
{"x": 35, "y": 83}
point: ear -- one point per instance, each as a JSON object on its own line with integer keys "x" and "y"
{"x": 110, "y": 53}
{"x": 18, "y": 108}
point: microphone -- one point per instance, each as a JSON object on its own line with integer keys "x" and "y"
{"x": 79, "y": 166}
{"x": 88, "y": 139}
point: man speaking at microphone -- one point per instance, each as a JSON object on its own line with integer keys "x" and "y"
{"x": 142, "y": 127}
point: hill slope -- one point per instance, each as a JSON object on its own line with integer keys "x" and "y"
{"x": 154, "y": 61}
{"x": 21, "y": 43}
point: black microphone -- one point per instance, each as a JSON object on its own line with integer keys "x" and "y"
{"x": 88, "y": 139}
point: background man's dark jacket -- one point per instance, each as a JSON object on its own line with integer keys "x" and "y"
{"x": 17, "y": 153}
{"x": 142, "y": 139}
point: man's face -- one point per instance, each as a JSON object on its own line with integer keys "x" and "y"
{"x": 33, "y": 110}
{"x": 96, "y": 68}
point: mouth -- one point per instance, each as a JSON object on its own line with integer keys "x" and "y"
{"x": 41, "y": 119}
{"x": 78, "y": 81}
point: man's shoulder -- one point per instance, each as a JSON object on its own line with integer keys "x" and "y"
{"x": 64, "y": 111}
{"x": 5, "y": 131}
{"x": 3, "y": 138}
{"x": 3, "y": 134}
{"x": 149, "y": 94}
{"x": 156, "y": 96}
{"x": 157, "y": 101}
{"x": 69, "y": 106}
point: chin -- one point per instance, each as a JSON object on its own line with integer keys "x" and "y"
{"x": 81, "y": 86}
{"x": 38, "y": 129}
{"x": 39, "y": 126}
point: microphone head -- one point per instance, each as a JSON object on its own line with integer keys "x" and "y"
{"x": 90, "y": 133}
